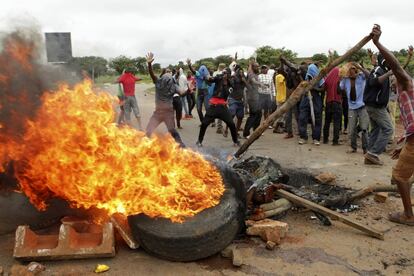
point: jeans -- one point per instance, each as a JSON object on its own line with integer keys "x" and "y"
{"x": 184, "y": 104}
{"x": 219, "y": 111}
{"x": 345, "y": 109}
{"x": 164, "y": 115}
{"x": 333, "y": 113}
{"x": 381, "y": 129}
{"x": 131, "y": 105}
{"x": 202, "y": 99}
{"x": 289, "y": 118}
{"x": 178, "y": 107}
{"x": 191, "y": 102}
{"x": 358, "y": 117}
{"x": 305, "y": 116}
{"x": 253, "y": 121}
{"x": 236, "y": 108}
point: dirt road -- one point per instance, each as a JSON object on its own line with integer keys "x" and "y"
{"x": 309, "y": 249}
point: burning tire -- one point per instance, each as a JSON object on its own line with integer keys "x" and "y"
{"x": 200, "y": 236}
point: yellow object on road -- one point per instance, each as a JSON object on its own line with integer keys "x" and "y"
{"x": 101, "y": 268}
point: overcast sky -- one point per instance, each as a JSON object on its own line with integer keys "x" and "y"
{"x": 174, "y": 30}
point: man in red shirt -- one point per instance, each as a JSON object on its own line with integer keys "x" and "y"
{"x": 333, "y": 107}
{"x": 128, "y": 80}
{"x": 404, "y": 168}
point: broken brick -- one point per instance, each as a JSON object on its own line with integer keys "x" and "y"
{"x": 120, "y": 223}
{"x": 35, "y": 268}
{"x": 268, "y": 230}
{"x": 270, "y": 245}
{"x": 74, "y": 241}
{"x": 237, "y": 257}
{"x": 326, "y": 178}
{"x": 381, "y": 197}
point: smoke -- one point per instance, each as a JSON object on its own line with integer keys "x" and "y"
{"x": 24, "y": 79}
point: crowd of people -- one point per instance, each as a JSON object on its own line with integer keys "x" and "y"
{"x": 357, "y": 101}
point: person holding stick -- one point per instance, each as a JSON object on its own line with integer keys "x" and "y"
{"x": 404, "y": 168}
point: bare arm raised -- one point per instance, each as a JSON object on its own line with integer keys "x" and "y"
{"x": 150, "y": 59}
{"x": 402, "y": 77}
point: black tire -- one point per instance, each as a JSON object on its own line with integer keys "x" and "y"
{"x": 198, "y": 237}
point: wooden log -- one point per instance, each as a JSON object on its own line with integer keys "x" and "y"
{"x": 296, "y": 96}
{"x": 372, "y": 189}
{"x": 332, "y": 214}
{"x": 275, "y": 204}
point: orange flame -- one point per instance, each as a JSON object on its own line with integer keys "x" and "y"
{"x": 73, "y": 150}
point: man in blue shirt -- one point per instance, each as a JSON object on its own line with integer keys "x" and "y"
{"x": 201, "y": 76}
{"x": 354, "y": 86}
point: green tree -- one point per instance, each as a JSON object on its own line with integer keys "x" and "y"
{"x": 93, "y": 65}
{"x": 321, "y": 58}
{"x": 226, "y": 59}
{"x": 269, "y": 55}
{"x": 140, "y": 63}
{"x": 122, "y": 62}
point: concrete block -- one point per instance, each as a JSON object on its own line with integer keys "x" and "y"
{"x": 76, "y": 240}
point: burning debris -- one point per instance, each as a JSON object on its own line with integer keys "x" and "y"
{"x": 64, "y": 143}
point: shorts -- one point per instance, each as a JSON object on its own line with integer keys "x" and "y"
{"x": 131, "y": 105}
{"x": 404, "y": 169}
{"x": 265, "y": 101}
{"x": 236, "y": 108}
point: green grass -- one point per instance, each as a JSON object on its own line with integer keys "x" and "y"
{"x": 112, "y": 78}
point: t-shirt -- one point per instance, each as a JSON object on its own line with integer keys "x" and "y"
{"x": 238, "y": 89}
{"x": 280, "y": 88}
{"x": 165, "y": 88}
{"x": 253, "y": 89}
{"x": 377, "y": 94}
{"x": 331, "y": 84}
{"x": 128, "y": 83}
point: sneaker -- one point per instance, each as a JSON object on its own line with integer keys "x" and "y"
{"x": 371, "y": 159}
{"x": 288, "y": 136}
{"x": 316, "y": 143}
{"x": 198, "y": 144}
{"x": 237, "y": 144}
{"x": 336, "y": 143}
{"x": 301, "y": 141}
{"x": 325, "y": 141}
{"x": 351, "y": 150}
{"x": 270, "y": 127}
{"x": 180, "y": 127}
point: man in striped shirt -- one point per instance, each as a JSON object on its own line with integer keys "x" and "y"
{"x": 404, "y": 168}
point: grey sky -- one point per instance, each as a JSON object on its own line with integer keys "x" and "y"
{"x": 174, "y": 30}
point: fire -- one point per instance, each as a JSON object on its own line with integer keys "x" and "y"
{"x": 74, "y": 151}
